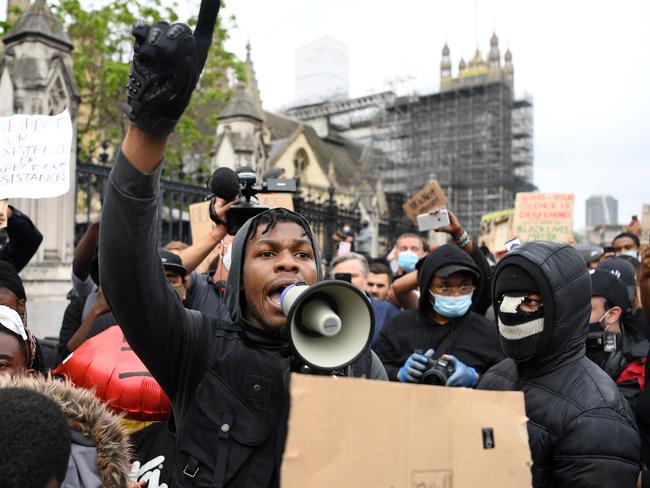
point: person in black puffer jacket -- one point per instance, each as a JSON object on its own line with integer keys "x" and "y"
{"x": 581, "y": 430}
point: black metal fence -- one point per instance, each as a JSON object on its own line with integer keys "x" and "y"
{"x": 324, "y": 214}
{"x": 173, "y": 210}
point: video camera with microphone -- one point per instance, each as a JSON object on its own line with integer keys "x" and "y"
{"x": 230, "y": 185}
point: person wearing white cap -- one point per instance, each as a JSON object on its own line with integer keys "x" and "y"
{"x": 17, "y": 345}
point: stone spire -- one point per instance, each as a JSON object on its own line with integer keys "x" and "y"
{"x": 494, "y": 56}
{"x": 508, "y": 60}
{"x": 477, "y": 60}
{"x": 445, "y": 63}
{"x": 508, "y": 67}
{"x": 40, "y": 24}
{"x": 251, "y": 84}
{"x": 241, "y": 104}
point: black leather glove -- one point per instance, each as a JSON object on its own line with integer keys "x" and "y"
{"x": 167, "y": 62}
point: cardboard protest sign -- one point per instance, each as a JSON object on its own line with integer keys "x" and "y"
{"x": 349, "y": 432}
{"x": 431, "y": 197}
{"x": 4, "y": 207}
{"x": 276, "y": 200}
{"x": 544, "y": 216}
{"x": 496, "y": 229}
{"x": 201, "y": 225}
{"x": 35, "y": 155}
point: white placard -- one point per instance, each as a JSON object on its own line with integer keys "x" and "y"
{"x": 35, "y": 155}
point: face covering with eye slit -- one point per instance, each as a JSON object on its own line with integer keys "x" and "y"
{"x": 520, "y": 331}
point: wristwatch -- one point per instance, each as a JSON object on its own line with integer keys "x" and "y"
{"x": 213, "y": 214}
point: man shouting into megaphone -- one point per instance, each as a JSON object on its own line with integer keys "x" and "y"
{"x": 227, "y": 380}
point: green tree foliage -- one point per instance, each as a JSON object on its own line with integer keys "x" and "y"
{"x": 103, "y": 48}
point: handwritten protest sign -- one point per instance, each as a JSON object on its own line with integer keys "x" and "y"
{"x": 544, "y": 216}
{"x": 430, "y": 197}
{"x": 496, "y": 229}
{"x": 35, "y": 155}
{"x": 276, "y": 200}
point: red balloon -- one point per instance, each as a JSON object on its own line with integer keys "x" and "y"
{"x": 107, "y": 364}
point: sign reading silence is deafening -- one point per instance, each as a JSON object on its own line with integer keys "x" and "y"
{"x": 544, "y": 217}
{"x": 35, "y": 155}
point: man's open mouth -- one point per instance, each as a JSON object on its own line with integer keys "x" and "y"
{"x": 275, "y": 294}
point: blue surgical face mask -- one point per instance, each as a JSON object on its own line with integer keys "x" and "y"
{"x": 451, "y": 306}
{"x": 407, "y": 260}
{"x": 633, "y": 253}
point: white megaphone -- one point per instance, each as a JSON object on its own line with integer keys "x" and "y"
{"x": 331, "y": 323}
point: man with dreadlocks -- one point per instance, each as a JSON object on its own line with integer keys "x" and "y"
{"x": 228, "y": 380}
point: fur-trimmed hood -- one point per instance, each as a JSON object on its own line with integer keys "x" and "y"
{"x": 91, "y": 418}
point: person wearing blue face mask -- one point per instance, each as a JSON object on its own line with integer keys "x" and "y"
{"x": 407, "y": 260}
{"x": 443, "y": 324}
{"x": 409, "y": 249}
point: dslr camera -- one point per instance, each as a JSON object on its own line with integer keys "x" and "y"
{"x": 243, "y": 186}
{"x": 438, "y": 373}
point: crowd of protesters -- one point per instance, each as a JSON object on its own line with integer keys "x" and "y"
{"x": 566, "y": 325}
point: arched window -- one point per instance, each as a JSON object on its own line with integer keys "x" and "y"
{"x": 300, "y": 162}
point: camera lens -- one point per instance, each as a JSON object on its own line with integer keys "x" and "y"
{"x": 438, "y": 374}
{"x": 434, "y": 376}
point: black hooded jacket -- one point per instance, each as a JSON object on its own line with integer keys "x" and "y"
{"x": 471, "y": 338}
{"x": 227, "y": 380}
{"x": 581, "y": 430}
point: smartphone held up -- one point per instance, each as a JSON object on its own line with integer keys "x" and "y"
{"x": 433, "y": 220}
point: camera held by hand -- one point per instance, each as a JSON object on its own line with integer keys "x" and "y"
{"x": 439, "y": 372}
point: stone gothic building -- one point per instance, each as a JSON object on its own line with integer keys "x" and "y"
{"x": 36, "y": 78}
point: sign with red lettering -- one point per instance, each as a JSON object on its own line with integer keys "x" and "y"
{"x": 544, "y": 217}
{"x": 35, "y": 155}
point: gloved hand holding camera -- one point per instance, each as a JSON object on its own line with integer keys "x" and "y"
{"x": 415, "y": 366}
{"x": 463, "y": 375}
{"x": 167, "y": 62}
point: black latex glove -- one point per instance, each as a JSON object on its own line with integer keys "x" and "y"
{"x": 167, "y": 62}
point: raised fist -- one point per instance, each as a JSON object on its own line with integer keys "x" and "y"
{"x": 167, "y": 62}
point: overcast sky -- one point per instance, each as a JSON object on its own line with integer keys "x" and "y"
{"x": 585, "y": 63}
